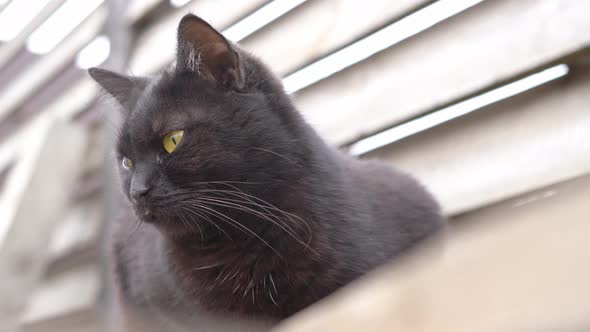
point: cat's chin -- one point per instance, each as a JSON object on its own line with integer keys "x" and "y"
{"x": 145, "y": 215}
{"x": 161, "y": 221}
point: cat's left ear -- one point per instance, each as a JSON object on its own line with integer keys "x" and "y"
{"x": 203, "y": 50}
{"x": 125, "y": 89}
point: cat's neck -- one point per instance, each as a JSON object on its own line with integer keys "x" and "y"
{"x": 244, "y": 274}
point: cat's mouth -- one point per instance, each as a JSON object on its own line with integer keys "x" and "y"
{"x": 144, "y": 213}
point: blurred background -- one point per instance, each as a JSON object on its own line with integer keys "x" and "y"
{"x": 485, "y": 101}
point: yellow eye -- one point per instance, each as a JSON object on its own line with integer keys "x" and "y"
{"x": 127, "y": 163}
{"x": 172, "y": 140}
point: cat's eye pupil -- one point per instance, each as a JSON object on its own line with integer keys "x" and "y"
{"x": 171, "y": 140}
{"x": 127, "y": 163}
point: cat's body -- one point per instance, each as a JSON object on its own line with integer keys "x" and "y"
{"x": 254, "y": 217}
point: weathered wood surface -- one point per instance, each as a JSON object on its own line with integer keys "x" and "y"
{"x": 512, "y": 268}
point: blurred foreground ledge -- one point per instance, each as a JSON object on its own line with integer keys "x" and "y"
{"x": 523, "y": 265}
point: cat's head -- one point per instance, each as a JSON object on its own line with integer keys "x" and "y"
{"x": 217, "y": 120}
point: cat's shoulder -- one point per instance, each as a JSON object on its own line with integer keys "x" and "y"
{"x": 397, "y": 192}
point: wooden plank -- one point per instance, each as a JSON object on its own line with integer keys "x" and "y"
{"x": 490, "y": 42}
{"x": 505, "y": 269}
{"x": 319, "y": 27}
{"x": 529, "y": 141}
{"x": 36, "y": 195}
{"x": 79, "y": 321}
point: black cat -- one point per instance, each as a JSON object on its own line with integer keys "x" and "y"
{"x": 244, "y": 213}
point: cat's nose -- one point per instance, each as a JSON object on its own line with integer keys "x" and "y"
{"x": 141, "y": 183}
{"x": 138, "y": 193}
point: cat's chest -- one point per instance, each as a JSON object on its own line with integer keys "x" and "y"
{"x": 243, "y": 283}
{"x": 154, "y": 294}
{"x": 142, "y": 271}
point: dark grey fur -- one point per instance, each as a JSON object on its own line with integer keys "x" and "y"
{"x": 297, "y": 219}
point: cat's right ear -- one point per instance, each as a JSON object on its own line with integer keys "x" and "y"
{"x": 125, "y": 89}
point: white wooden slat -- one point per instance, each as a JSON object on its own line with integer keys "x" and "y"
{"x": 25, "y": 85}
{"x": 36, "y": 195}
{"x": 456, "y": 110}
{"x": 490, "y": 42}
{"x": 515, "y": 146}
{"x": 319, "y": 27}
{"x": 157, "y": 45}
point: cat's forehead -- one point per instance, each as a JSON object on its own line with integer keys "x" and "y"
{"x": 147, "y": 124}
{"x": 157, "y": 121}
{"x": 163, "y": 108}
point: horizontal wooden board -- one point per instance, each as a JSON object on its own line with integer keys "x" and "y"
{"x": 490, "y": 42}
{"x": 521, "y": 144}
{"x": 507, "y": 269}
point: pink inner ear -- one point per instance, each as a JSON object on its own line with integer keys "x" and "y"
{"x": 217, "y": 50}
